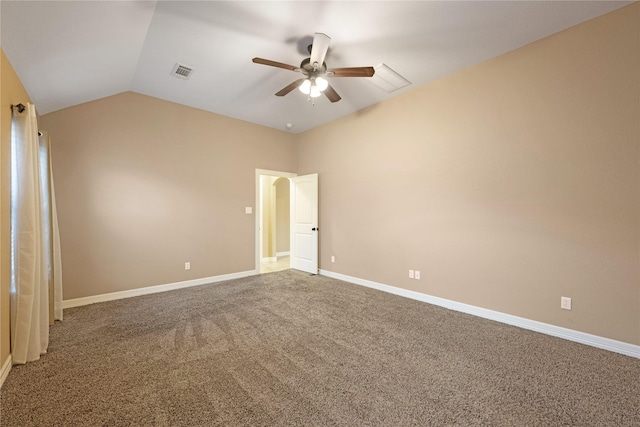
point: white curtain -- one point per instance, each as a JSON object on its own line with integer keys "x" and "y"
{"x": 55, "y": 260}
{"x": 33, "y": 237}
{"x": 50, "y": 228}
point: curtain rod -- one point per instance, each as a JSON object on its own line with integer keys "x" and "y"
{"x": 20, "y": 107}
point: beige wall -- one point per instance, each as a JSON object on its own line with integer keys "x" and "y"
{"x": 283, "y": 225}
{"x": 508, "y": 185}
{"x": 12, "y": 92}
{"x": 144, "y": 185}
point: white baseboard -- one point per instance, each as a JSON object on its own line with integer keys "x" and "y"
{"x": 4, "y": 371}
{"x": 287, "y": 253}
{"x": 76, "y": 302}
{"x": 533, "y": 325}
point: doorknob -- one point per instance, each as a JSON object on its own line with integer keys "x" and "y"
{"x": 314, "y": 229}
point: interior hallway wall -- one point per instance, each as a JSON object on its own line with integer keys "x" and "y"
{"x": 268, "y": 225}
{"x": 283, "y": 214}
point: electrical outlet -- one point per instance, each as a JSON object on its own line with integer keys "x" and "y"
{"x": 411, "y": 274}
{"x": 417, "y": 274}
{"x": 187, "y": 266}
{"x": 333, "y": 258}
{"x": 565, "y": 303}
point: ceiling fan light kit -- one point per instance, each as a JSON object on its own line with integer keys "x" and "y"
{"x": 313, "y": 86}
{"x": 315, "y": 70}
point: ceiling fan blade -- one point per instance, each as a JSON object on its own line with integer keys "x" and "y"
{"x": 331, "y": 93}
{"x": 352, "y": 72}
{"x": 285, "y": 90}
{"x": 319, "y": 48}
{"x": 274, "y": 64}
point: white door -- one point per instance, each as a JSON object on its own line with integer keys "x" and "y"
{"x": 304, "y": 223}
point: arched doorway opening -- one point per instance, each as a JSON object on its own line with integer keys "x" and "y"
{"x": 274, "y": 223}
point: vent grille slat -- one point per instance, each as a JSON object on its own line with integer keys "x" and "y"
{"x": 181, "y": 71}
{"x": 387, "y": 79}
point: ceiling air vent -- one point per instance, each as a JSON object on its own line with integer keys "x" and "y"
{"x": 181, "y": 71}
{"x": 387, "y": 79}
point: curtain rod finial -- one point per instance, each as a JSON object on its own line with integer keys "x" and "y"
{"x": 20, "y": 107}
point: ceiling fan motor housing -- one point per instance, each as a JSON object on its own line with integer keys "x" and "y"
{"x": 307, "y": 65}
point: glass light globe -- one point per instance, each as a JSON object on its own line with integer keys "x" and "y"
{"x": 321, "y": 83}
{"x": 305, "y": 87}
{"x": 315, "y": 91}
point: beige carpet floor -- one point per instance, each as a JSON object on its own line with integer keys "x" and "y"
{"x": 289, "y": 349}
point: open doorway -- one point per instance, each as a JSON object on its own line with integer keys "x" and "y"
{"x": 273, "y": 224}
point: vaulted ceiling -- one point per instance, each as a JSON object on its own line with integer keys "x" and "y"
{"x": 71, "y": 52}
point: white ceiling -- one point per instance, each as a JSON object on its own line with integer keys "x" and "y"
{"x": 70, "y": 52}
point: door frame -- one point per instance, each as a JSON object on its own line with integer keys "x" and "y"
{"x": 258, "y": 208}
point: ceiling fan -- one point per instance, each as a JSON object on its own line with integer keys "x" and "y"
{"x": 315, "y": 71}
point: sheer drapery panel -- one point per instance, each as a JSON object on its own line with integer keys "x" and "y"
{"x": 34, "y": 241}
